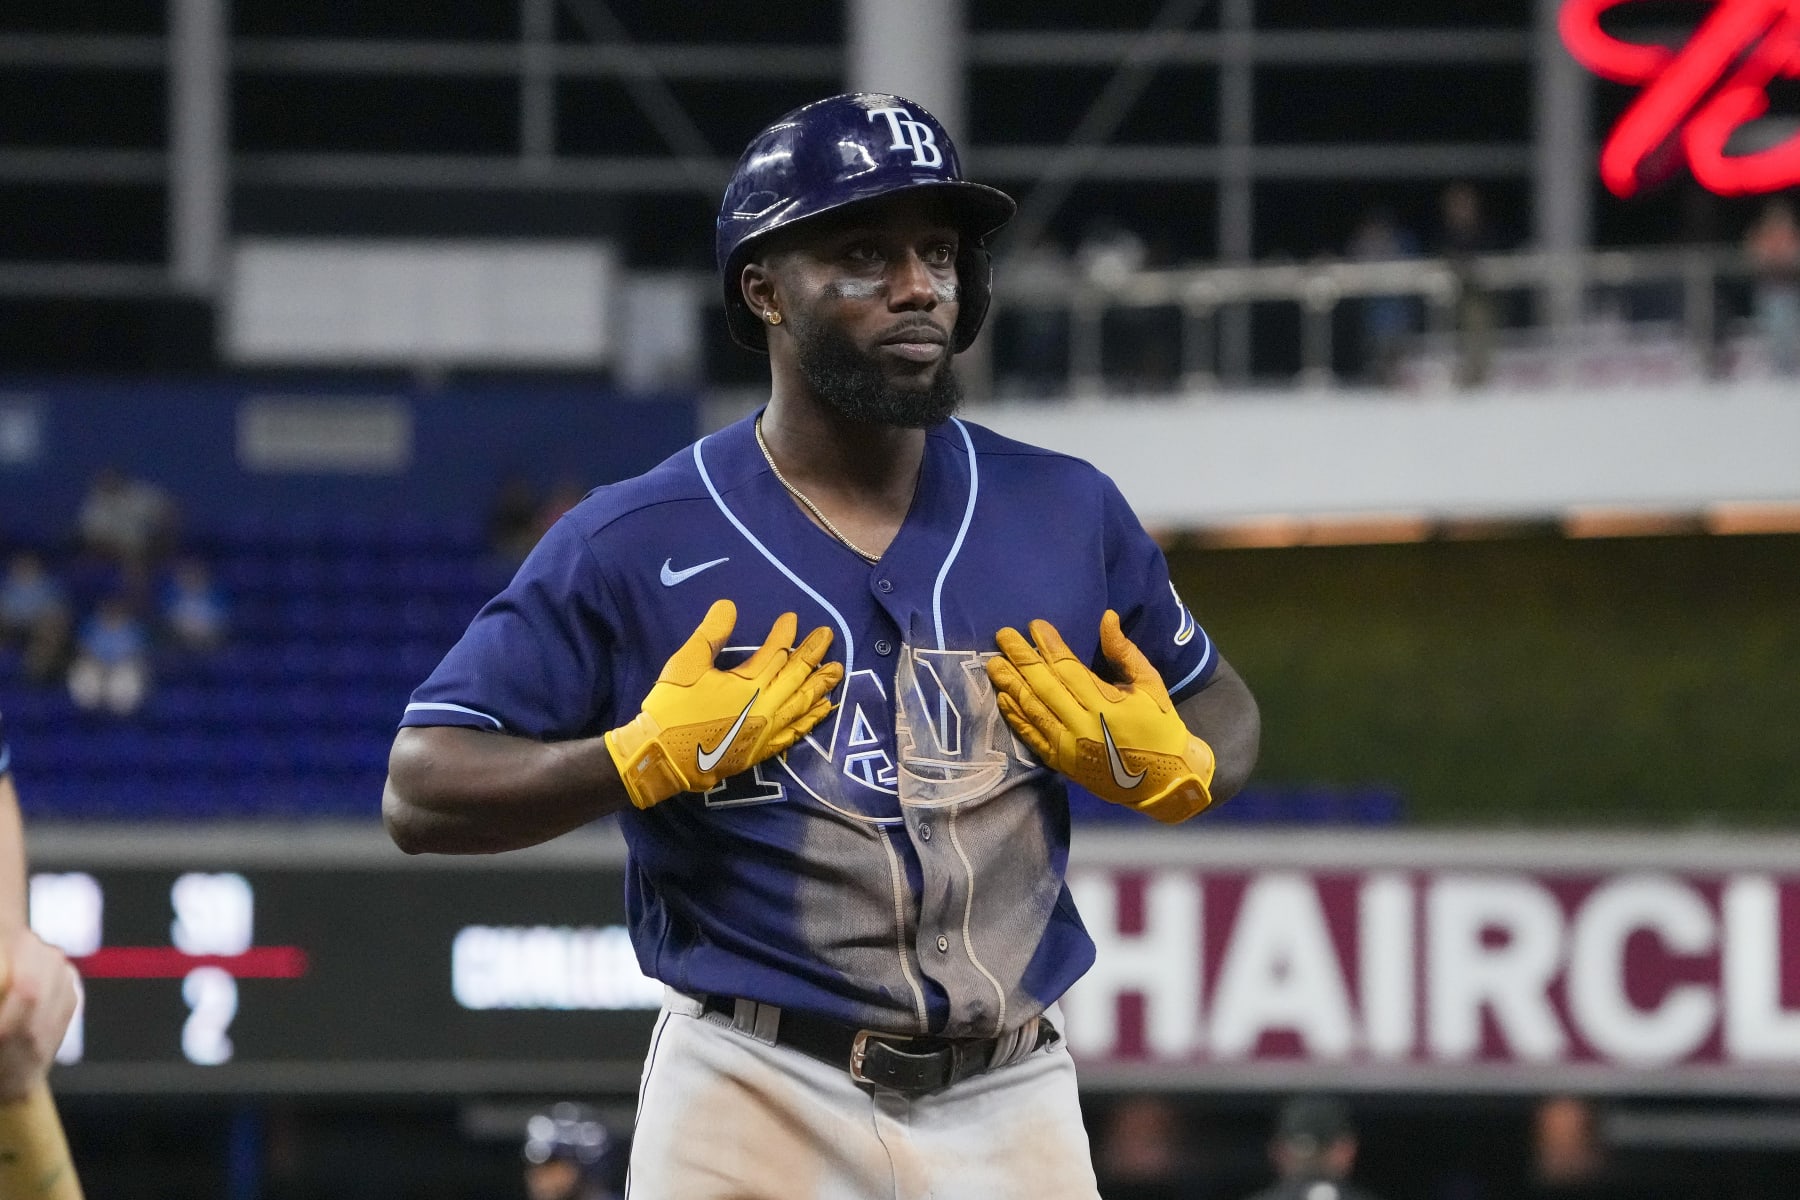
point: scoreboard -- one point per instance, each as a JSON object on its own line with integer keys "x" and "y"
{"x": 289, "y": 960}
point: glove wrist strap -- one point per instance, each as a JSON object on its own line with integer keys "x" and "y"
{"x": 1189, "y": 795}
{"x": 643, "y": 765}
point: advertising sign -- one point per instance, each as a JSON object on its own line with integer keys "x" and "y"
{"x": 1471, "y": 963}
{"x": 1695, "y": 98}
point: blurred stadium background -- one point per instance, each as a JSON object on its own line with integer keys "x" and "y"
{"x": 1486, "y": 477}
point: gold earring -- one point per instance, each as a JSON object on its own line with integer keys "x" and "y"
{"x": 773, "y": 317}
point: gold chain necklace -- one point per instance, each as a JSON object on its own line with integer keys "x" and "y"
{"x": 801, "y": 496}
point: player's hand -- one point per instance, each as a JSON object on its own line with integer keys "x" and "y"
{"x": 702, "y": 725}
{"x": 1124, "y": 743}
{"x": 38, "y": 994}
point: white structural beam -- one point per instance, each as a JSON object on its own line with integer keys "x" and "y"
{"x": 199, "y": 142}
{"x": 1563, "y": 169}
{"x": 537, "y": 83}
{"x": 1237, "y": 188}
{"x": 917, "y": 49}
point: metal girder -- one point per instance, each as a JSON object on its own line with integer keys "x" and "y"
{"x": 31, "y": 164}
{"x": 95, "y": 280}
{"x": 644, "y": 175}
{"x": 651, "y": 174}
{"x": 347, "y": 56}
{"x": 1090, "y": 48}
{"x": 1075, "y": 158}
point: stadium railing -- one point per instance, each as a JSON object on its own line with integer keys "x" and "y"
{"x": 1689, "y": 298}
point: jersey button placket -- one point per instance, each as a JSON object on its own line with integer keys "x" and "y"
{"x": 943, "y": 944}
{"x": 884, "y": 585}
{"x": 883, "y": 647}
{"x": 924, "y": 832}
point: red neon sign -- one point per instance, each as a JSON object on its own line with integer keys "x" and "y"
{"x": 1695, "y": 97}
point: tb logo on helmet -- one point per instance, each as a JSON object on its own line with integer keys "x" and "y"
{"x": 911, "y": 134}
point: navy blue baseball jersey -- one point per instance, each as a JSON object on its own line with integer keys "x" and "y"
{"x": 901, "y": 867}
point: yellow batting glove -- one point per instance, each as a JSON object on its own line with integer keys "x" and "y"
{"x": 1126, "y": 743}
{"x": 701, "y": 725}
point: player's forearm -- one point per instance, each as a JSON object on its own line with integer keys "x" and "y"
{"x": 465, "y": 791}
{"x": 1225, "y": 716}
{"x": 12, "y": 861}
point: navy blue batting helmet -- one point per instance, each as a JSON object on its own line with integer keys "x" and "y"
{"x": 837, "y": 152}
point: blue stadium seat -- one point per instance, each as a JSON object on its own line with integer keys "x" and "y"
{"x": 359, "y": 574}
{"x": 335, "y": 619}
{"x": 241, "y": 532}
{"x": 248, "y": 573}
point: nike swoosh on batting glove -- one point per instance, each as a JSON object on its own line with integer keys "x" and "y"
{"x": 1125, "y": 743}
{"x": 700, "y": 725}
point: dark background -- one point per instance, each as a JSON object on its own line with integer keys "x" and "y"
{"x": 284, "y": 111}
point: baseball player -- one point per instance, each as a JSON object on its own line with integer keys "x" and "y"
{"x": 570, "y": 1154}
{"x": 1313, "y": 1152}
{"x": 846, "y": 848}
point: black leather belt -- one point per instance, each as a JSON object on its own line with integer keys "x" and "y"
{"x": 912, "y": 1065}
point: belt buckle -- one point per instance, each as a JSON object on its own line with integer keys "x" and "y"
{"x": 859, "y": 1052}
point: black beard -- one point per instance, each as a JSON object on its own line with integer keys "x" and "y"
{"x": 858, "y": 390}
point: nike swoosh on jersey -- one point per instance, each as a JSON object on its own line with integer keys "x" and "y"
{"x": 708, "y": 759}
{"x": 1121, "y": 776}
{"x": 671, "y": 577}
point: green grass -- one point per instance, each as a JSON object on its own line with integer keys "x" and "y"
{"x": 1532, "y": 681}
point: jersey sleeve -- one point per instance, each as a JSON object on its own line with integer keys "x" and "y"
{"x": 1151, "y": 612}
{"x": 5, "y": 749}
{"x": 534, "y": 662}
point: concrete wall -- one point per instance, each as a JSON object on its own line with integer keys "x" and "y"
{"x": 1235, "y": 457}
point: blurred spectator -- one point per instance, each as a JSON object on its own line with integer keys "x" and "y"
{"x": 1137, "y": 353}
{"x": 111, "y": 668}
{"x": 1568, "y": 1158}
{"x": 1463, "y": 235}
{"x": 34, "y": 614}
{"x": 1139, "y": 1155}
{"x": 127, "y": 521}
{"x": 512, "y": 526}
{"x": 1386, "y": 320}
{"x": 1109, "y": 253}
{"x": 570, "y": 1154}
{"x": 1773, "y": 246}
{"x": 194, "y": 609}
{"x": 1313, "y": 1151}
{"x": 1034, "y": 360}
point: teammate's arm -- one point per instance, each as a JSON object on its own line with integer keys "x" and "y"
{"x": 39, "y": 1000}
{"x": 39, "y": 992}
{"x": 466, "y": 791}
{"x": 1224, "y": 715}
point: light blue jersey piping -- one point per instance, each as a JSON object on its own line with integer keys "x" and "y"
{"x": 843, "y": 625}
{"x": 419, "y": 706}
{"x": 937, "y": 591}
